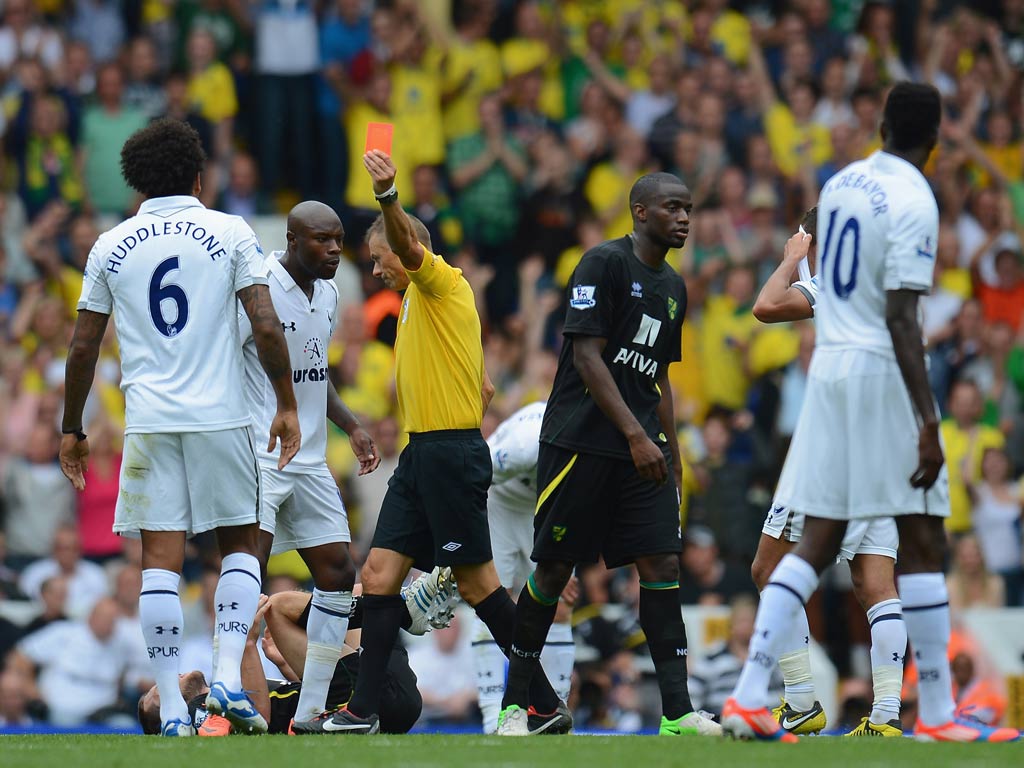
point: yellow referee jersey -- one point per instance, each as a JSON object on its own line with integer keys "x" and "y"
{"x": 439, "y": 359}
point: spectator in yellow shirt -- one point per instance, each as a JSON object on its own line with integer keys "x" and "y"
{"x": 211, "y": 88}
{"x": 966, "y": 440}
{"x": 795, "y": 139}
{"x": 728, "y": 327}
{"x": 472, "y": 69}
{"x": 607, "y": 187}
{"x": 416, "y": 86}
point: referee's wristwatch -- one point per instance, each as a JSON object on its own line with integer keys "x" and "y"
{"x": 387, "y": 197}
{"x": 76, "y": 431}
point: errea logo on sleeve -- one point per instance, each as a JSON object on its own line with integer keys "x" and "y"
{"x": 583, "y": 297}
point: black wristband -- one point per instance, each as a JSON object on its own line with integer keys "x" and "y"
{"x": 388, "y": 199}
{"x": 77, "y": 432}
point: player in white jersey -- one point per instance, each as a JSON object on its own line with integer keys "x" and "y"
{"x": 511, "y": 501}
{"x": 302, "y": 507}
{"x": 869, "y": 424}
{"x": 170, "y": 276}
{"x": 869, "y": 545}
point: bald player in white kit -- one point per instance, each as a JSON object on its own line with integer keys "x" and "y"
{"x": 170, "y": 276}
{"x": 869, "y": 420}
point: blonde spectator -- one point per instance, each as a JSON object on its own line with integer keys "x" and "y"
{"x": 998, "y": 508}
{"x": 969, "y": 582}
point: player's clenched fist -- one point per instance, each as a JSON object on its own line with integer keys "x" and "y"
{"x": 381, "y": 169}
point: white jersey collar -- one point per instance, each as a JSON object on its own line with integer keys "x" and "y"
{"x": 277, "y": 268}
{"x": 173, "y": 202}
{"x": 896, "y": 164}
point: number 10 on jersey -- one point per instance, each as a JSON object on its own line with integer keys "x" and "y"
{"x": 851, "y": 230}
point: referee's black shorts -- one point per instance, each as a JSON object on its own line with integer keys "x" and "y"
{"x": 435, "y": 510}
{"x": 591, "y": 506}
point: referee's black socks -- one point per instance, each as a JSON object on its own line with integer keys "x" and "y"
{"x": 382, "y": 616}
{"x": 499, "y": 613}
{"x": 355, "y": 619}
{"x": 662, "y": 621}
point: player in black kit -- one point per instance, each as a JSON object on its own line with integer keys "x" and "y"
{"x": 609, "y": 466}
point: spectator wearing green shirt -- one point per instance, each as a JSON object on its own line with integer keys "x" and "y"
{"x": 106, "y": 126}
{"x": 486, "y": 170}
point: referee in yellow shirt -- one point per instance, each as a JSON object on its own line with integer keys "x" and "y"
{"x": 435, "y": 510}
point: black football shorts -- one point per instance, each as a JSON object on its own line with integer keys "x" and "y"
{"x": 590, "y": 506}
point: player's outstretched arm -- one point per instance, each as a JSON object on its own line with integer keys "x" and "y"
{"x": 901, "y": 319}
{"x": 397, "y": 227}
{"x": 779, "y": 301}
{"x": 648, "y": 458}
{"x": 78, "y": 375}
{"x": 362, "y": 444}
{"x": 273, "y": 353}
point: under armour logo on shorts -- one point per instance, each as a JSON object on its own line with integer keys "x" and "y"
{"x": 222, "y": 606}
{"x": 173, "y": 630}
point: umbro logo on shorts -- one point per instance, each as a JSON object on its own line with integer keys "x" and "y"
{"x": 451, "y": 546}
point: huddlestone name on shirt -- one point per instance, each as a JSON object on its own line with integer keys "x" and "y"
{"x": 142, "y": 234}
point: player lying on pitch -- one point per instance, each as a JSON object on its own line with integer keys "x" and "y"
{"x": 285, "y": 644}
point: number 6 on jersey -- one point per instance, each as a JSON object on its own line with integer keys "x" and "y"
{"x": 159, "y": 293}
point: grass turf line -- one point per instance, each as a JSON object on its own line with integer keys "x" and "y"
{"x": 490, "y": 751}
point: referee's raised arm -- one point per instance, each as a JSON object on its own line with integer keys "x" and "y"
{"x": 398, "y": 229}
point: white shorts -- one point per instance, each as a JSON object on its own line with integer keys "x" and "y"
{"x": 188, "y": 481}
{"x": 511, "y": 528}
{"x": 302, "y": 511}
{"x": 877, "y": 536}
{"x": 855, "y": 444}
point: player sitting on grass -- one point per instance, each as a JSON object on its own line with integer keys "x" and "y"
{"x": 869, "y": 546}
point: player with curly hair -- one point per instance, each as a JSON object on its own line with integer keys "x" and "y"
{"x": 171, "y": 276}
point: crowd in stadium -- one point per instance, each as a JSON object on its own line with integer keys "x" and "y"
{"x": 520, "y": 126}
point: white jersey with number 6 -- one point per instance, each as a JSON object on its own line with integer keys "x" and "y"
{"x": 169, "y": 275}
{"x": 881, "y": 225}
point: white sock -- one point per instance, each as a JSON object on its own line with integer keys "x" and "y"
{"x": 791, "y": 585}
{"x": 795, "y": 662}
{"x": 491, "y": 666}
{"x": 926, "y": 614}
{"x": 163, "y": 627}
{"x": 558, "y": 657}
{"x": 888, "y": 646}
{"x": 325, "y": 635}
{"x": 235, "y": 601}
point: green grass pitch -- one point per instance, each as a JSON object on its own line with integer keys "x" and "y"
{"x": 492, "y": 752}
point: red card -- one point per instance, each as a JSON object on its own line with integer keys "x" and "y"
{"x": 378, "y": 136}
